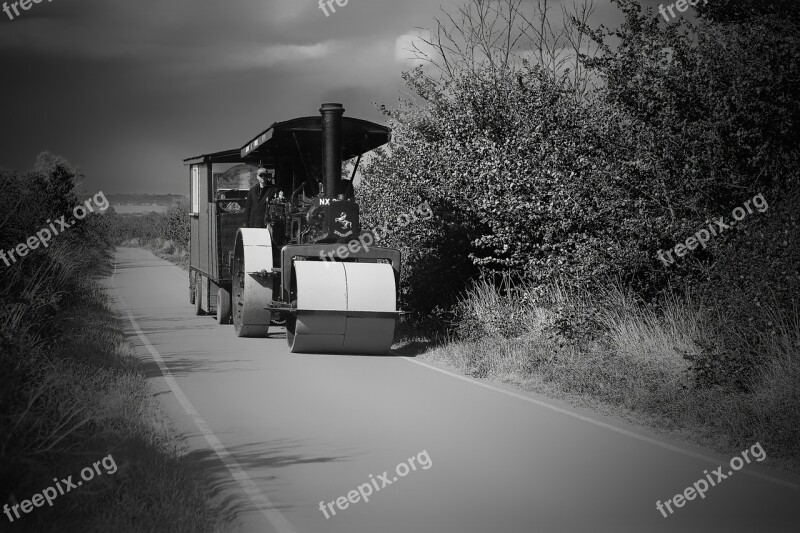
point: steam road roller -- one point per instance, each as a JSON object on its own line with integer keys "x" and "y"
{"x": 293, "y": 249}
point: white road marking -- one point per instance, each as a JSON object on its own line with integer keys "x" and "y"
{"x": 247, "y": 485}
{"x": 616, "y": 429}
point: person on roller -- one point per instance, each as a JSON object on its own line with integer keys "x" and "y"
{"x": 257, "y": 198}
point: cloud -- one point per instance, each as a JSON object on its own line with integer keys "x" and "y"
{"x": 408, "y": 47}
{"x": 98, "y": 79}
{"x": 282, "y": 54}
{"x": 155, "y": 31}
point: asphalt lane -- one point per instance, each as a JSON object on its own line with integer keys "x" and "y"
{"x": 284, "y": 432}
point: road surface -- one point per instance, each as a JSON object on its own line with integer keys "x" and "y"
{"x": 284, "y": 434}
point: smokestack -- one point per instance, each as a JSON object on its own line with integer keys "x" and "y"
{"x": 332, "y": 148}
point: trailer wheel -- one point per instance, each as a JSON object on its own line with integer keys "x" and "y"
{"x": 223, "y": 306}
{"x": 198, "y": 296}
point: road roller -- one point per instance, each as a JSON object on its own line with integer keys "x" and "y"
{"x": 308, "y": 265}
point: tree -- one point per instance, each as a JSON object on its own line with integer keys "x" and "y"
{"x": 499, "y": 37}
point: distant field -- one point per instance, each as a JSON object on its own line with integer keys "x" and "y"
{"x": 139, "y": 209}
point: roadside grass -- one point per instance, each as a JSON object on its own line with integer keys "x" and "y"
{"x": 164, "y": 234}
{"x": 89, "y": 399}
{"x": 72, "y": 394}
{"x": 649, "y": 365}
{"x": 166, "y": 249}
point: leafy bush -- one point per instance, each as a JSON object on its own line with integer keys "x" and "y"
{"x": 71, "y": 390}
{"x": 661, "y": 361}
{"x": 177, "y": 227}
{"x": 526, "y": 175}
{"x": 166, "y": 234}
{"x": 529, "y": 177}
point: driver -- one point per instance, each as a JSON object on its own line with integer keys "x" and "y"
{"x": 259, "y": 195}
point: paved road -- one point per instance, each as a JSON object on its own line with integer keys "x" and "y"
{"x": 281, "y": 432}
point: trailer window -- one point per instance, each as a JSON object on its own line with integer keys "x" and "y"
{"x": 232, "y": 177}
{"x": 195, "y": 190}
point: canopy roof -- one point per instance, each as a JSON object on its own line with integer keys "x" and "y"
{"x": 358, "y": 137}
{"x": 233, "y": 155}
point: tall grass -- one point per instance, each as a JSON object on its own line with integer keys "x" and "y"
{"x": 72, "y": 392}
{"x": 651, "y": 360}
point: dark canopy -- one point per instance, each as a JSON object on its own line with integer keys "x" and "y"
{"x": 283, "y": 138}
{"x": 233, "y": 155}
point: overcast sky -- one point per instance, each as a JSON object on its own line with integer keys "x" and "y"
{"x": 126, "y": 90}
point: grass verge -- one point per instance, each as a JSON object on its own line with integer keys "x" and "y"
{"x": 649, "y": 366}
{"x": 166, "y": 249}
{"x": 88, "y": 400}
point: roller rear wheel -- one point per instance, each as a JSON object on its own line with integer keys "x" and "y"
{"x": 251, "y": 294}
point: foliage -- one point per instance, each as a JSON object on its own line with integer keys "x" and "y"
{"x": 71, "y": 392}
{"x": 670, "y": 362}
{"x": 171, "y": 226}
{"x": 713, "y": 114}
{"x": 522, "y": 174}
{"x": 530, "y": 177}
{"x": 743, "y": 10}
{"x": 178, "y": 227}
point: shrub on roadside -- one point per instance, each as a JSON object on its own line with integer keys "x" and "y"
{"x": 614, "y": 348}
{"x": 577, "y": 191}
{"x": 71, "y": 391}
{"x": 165, "y": 234}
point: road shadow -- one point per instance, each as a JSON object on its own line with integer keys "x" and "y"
{"x": 184, "y": 366}
{"x": 253, "y": 458}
